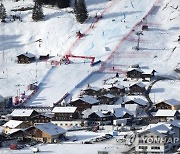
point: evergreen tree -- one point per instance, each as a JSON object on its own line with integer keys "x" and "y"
{"x": 75, "y": 6}
{"x": 2, "y": 12}
{"x": 37, "y": 11}
{"x": 63, "y": 3}
{"x": 52, "y": 2}
{"x": 80, "y": 11}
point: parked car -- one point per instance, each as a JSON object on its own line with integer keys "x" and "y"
{"x": 88, "y": 142}
{"x": 108, "y": 136}
{"x": 16, "y": 146}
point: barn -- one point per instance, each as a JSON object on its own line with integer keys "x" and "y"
{"x": 26, "y": 58}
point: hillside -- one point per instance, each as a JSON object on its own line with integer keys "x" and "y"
{"x": 111, "y": 40}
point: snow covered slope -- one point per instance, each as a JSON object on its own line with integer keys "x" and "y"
{"x": 159, "y": 48}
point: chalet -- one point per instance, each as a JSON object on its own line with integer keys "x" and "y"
{"x": 147, "y": 73}
{"x": 170, "y": 104}
{"x": 23, "y": 114}
{"x": 135, "y": 100}
{"x": 65, "y": 113}
{"x": 175, "y": 124}
{"x": 121, "y": 113}
{"x": 14, "y": 124}
{"x": 135, "y": 109}
{"x": 155, "y": 139}
{"x": 134, "y": 73}
{"x": 40, "y": 118}
{"x": 30, "y": 116}
{"x": 84, "y": 103}
{"x": 47, "y": 133}
{"x": 101, "y": 117}
{"x": 117, "y": 90}
{"x": 108, "y": 99}
{"x": 166, "y": 115}
{"x": 137, "y": 88}
{"x": 94, "y": 91}
{"x": 107, "y": 116}
{"x": 26, "y": 58}
{"x": 16, "y": 134}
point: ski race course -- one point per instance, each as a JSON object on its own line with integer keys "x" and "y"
{"x": 112, "y": 35}
{"x": 111, "y": 38}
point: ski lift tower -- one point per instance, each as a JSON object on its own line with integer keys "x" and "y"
{"x": 139, "y": 33}
{"x": 144, "y": 24}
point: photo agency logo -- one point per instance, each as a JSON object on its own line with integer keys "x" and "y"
{"x": 157, "y": 139}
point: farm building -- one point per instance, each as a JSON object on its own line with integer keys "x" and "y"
{"x": 137, "y": 88}
{"x": 65, "y": 113}
{"x": 47, "y": 132}
{"x": 84, "y": 103}
{"x": 117, "y": 90}
{"x": 26, "y": 58}
{"x": 134, "y": 73}
{"x": 171, "y": 104}
{"x": 108, "y": 99}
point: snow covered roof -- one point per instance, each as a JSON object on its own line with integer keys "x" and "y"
{"x": 175, "y": 123}
{"x": 50, "y": 128}
{"x": 100, "y": 114}
{"x": 93, "y": 88}
{"x": 95, "y": 108}
{"x": 22, "y": 113}
{"x": 64, "y": 109}
{"x": 131, "y": 107}
{"x": 140, "y": 101}
{"x": 136, "y": 69}
{"x": 137, "y": 100}
{"x": 172, "y": 102}
{"x": 109, "y": 95}
{"x": 13, "y": 131}
{"x": 120, "y": 112}
{"x": 12, "y": 123}
{"x": 88, "y": 99}
{"x": 104, "y": 107}
{"x": 147, "y": 71}
{"x": 30, "y": 55}
{"x": 118, "y": 86}
{"x": 163, "y": 128}
{"x": 159, "y": 128}
{"x": 165, "y": 113}
{"x": 140, "y": 84}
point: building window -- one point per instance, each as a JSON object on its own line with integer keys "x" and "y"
{"x": 143, "y": 147}
{"x": 155, "y": 147}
